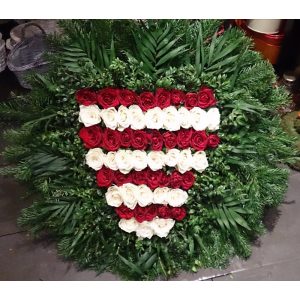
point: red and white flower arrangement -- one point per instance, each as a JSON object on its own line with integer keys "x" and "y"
{"x": 147, "y": 149}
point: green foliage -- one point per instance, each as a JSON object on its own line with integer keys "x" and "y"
{"x": 227, "y": 202}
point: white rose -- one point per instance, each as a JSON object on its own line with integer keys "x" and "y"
{"x": 185, "y": 161}
{"x": 172, "y": 119}
{"x": 110, "y": 160}
{"x": 128, "y": 193}
{"x": 144, "y": 195}
{"x": 124, "y": 161}
{"x": 185, "y": 117}
{"x": 154, "y": 118}
{"x": 110, "y": 117}
{"x": 128, "y": 225}
{"x": 95, "y": 158}
{"x": 113, "y": 196}
{"x": 137, "y": 117}
{"x": 213, "y": 119}
{"x": 162, "y": 227}
{"x": 177, "y": 197}
{"x": 198, "y": 118}
{"x": 171, "y": 157}
{"x": 124, "y": 118}
{"x": 155, "y": 160}
{"x": 200, "y": 162}
{"x": 161, "y": 195}
{"x": 144, "y": 230}
{"x": 89, "y": 115}
{"x": 139, "y": 159}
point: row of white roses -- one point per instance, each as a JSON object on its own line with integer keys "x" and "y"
{"x": 156, "y": 118}
{"x": 127, "y": 160}
{"x": 158, "y": 226}
{"x": 130, "y": 195}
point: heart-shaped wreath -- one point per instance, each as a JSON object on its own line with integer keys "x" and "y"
{"x": 178, "y": 120}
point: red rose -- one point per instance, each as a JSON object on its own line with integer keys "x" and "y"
{"x": 153, "y": 178}
{"x": 199, "y": 140}
{"x": 163, "y": 98}
{"x": 191, "y": 100}
{"x": 127, "y": 97}
{"x": 213, "y": 141}
{"x": 188, "y": 179}
{"x": 91, "y": 136}
{"x": 124, "y": 212}
{"x": 175, "y": 180}
{"x": 86, "y": 97}
{"x": 147, "y": 101}
{"x": 111, "y": 139}
{"x": 139, "y": 139}
{"x": 164, "y": 212}
{"x": 139, "y": 177}
{"x": 184, "y": 138}
{"x": 120, "y": 178}
{"x": 170, "y": 139}
{"x": 108, "y": 97}
{"x": 164, "y": 180}
{"x": 139, "y": 214}
{"x": 156, "y": 140}
{"x": 125, "y": 138}
{"x": 177, "y": 97}
{"x": 178, "y": 213}
{"x": 104, "y": 177}
{"x": 206, "y": 97}
{"x": 150, "y": 212}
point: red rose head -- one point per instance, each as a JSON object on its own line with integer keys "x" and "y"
{"x": 86, "y": 97}
{"x": 91, "y": 136}
{"x": 108, "y": 97}
{"x": 206, "y": 97}
{"x": 163, "y": 98}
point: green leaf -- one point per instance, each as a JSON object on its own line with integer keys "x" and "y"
{"x": 224, "y": 218}
{"x": 171, "y": 55}
{"x": 238, "y": 219}
{"x": 150, "y": 262}
{"x": 131, "y": 265}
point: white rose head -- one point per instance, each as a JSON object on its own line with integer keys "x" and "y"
{"x": 128, "y": 225}
{"x": 124, "y": 118}
{"x": 177, "y": 197}
{"x": 198, "y": 118}
{"x": 156, "y": 160}
{"x": 124, "y": 160}
{"x": 171, "y": 157}
{"x": 185, "y": 161}
{"x": 144, "y": 195}
{"x": 113, "y": 196}
{"x": 162, "y": 227}
{"x": 137, "y": 117}
{"x": 128, "y": 194}
{"x": 154, "y": 118}
{"x": 144, "y": 230}
{"x": 213, "y": 119}
{"x": 110, "y": 160}
{"x": 89, "y": 115}
{"x": 110, "y": 117}
{"x": 172, "y": 119}
{"x": 95, "y": 158}
{"x": 184, "y": 117}
{"x": 200, "y": 162}
{"x": 139, "y": 159}
{"x": 161, "y": 195}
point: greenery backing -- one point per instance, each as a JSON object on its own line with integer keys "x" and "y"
{"x": 226, "y": 205}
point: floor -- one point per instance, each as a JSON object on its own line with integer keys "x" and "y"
{"x": 276, "y": 256}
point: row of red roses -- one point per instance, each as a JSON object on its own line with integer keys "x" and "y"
{"x": 148, "y": 213}
{"x": 112, "y": 97}
{"x": 153, "y": 179}
{"x": 112, "y": 140}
